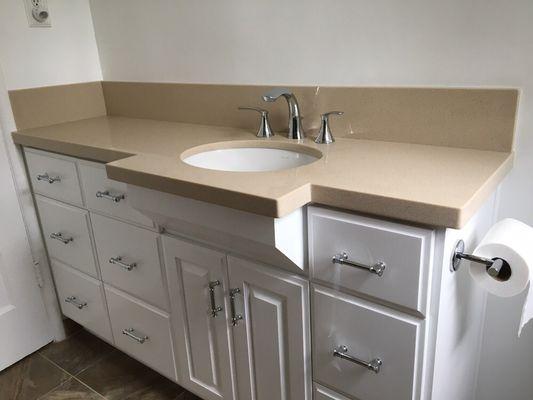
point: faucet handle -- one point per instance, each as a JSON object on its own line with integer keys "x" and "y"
{"x": 264, "y": 131}
{"x": 324, "y": 133}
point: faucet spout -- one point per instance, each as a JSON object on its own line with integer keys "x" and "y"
{"x": 296, "y": 130}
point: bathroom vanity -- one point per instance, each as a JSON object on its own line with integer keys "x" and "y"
{"x": 328, "y": 281}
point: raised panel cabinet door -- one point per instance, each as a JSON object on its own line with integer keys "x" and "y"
{"x": 271, "y": 332}
{"x": 197, "y": 281}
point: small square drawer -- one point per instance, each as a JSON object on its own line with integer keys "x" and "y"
{"x": 129, "y": 259}
{"x": 108, "y": 196}
{"x": 66, "y": 230}
{"x": 54, "y": 176}
{"x": 82, "y": 299}
{"x": 378, "y": 258}
{"x": 142, "y": 331}
{"x": 364, "y": 350}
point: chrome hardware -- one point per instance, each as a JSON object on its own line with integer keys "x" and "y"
{"x": 118, "y": 261}
{"x": 377, "y": 268}
{"x": 214, "y": 308}
{"x": 497, "y": 268}
{"x": 59, "y": 236}
{"x": 264, "y": 131}
{"x": 235, "y": 318}
{"x": 296, "y": 130}
{"x": 106, "y": 195}
{"x": 48, "y": 178}
{"x": 74, "y": 300}
{"x": 373, "y": 365}
{"x": 324, "y": 133}
{"x": 137, "y": 336}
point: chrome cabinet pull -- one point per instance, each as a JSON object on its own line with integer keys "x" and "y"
{"x": 118, "y": 261}
{"x": 115, "y": 198}
{"x": 74, "y": 301}
{"x": 47, "y": 178}
{"x": 214, "y": 308}
{"x": 137, "y": 336}
{"x": 372, "y": 365}
{"x": 59, "y": 236}
{"x": 235, "y": 318}
{"x": 342, "y": 258}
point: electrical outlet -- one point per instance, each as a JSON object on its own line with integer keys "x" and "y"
{"x": 38, "y": 14}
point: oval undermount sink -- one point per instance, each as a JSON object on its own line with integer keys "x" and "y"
{"x": 250, "y": 159}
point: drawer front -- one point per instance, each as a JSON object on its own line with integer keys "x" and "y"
{"x": 54, "y": 176}
{"x": 141, "y": 331}
{"x": 67, "y": 234}
{"x": 82, "y": 299}
{"x": 129, "y": 259}
{"x": 98, "y": 189}
{"x": 368, "y": 333}
{"x": 405, "y": 251}
{"x": 322, "y": 393}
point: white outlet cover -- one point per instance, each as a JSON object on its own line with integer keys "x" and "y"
{"x": 37, "y": 6}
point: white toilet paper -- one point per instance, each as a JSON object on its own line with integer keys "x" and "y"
{"x": 512, "y": 241}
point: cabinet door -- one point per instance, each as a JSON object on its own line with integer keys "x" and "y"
{"x": 197, "y": 280}
{"x": 271, "y": 342}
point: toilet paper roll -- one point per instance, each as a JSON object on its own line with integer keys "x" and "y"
{"x": 512, "y": 241}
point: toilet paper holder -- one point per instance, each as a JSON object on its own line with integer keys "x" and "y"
{"x": 497, "y": 268}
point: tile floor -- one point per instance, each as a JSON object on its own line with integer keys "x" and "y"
{"x": 85, "y": 367}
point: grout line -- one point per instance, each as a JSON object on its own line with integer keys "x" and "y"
{"x": 88, "y": 387}
{"x": 103, "y": 357}
{"x": 69, "y": 376}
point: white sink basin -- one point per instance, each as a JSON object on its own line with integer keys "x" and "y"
{"x": 250, "y": 159}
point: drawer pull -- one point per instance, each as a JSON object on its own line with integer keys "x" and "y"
{"x": 118, "y": 261}
{"x": 235, "y": 318}
{"x": 373, "y": 365}
{"x": 113, "y": 197}
{"x": 342, "y": 258}
{"x": 47, "y": 178}
{"x": 59, "y": 236}
{"x": 214, "y": 308}
{"x": 138, "y": 337}
{"x": 74, "y": 300}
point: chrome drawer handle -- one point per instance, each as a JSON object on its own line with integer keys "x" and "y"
{"x": 214, "y": 308}
{"x": 372, "y": 365}
{"x": 342, "y": 258}
{"x": 235, "y": 318}
{"x": 59, "y": 236}
{"x": 113, "y": 197}
{"x": 47, "y": 178}
{"x": 74, "y": 300}
{"x": 118, "y": 261}
{"x": 137, "y": 336}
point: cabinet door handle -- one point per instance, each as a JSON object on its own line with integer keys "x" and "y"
{"x": 372, "y": 365}
{"x": 74, "y": 301}
{"x": 118, "y": 261}
{"x": 235, "y": 318}
{"x": 377, "y": 268}
{"x": 59, "y": 236}
{"x": 214, "y": 308}
{"x": 137, "y": 336}
{"x": 47, "y": 178}
{"x": 115, "y": 198}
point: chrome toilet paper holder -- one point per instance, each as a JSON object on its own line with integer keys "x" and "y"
{"x": 497, "y": 268}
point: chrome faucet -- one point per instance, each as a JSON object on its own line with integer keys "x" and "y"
{"x": 296, "y": 130}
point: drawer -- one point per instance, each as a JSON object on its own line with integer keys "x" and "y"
{"x": 82, "y": 299}
{"x": 141, "y": 331}
{"x": 108, "y": 196}
{"x": 369, "y": 332}
{"x": 129, "y": 259}
{"x": 54, "y": 176}
{"x": 405, "y": 250}
{"x": 67, "y": 234}
{"x": 322, "y": 393}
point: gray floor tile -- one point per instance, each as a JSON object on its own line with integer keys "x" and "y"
{"x": 72, "y": 390}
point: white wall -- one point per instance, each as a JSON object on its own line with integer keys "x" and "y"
{"x": 64, "y": 53}
{"x": 349, "y": 42}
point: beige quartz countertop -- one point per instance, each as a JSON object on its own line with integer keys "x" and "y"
{"x": 431, "y": 185}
